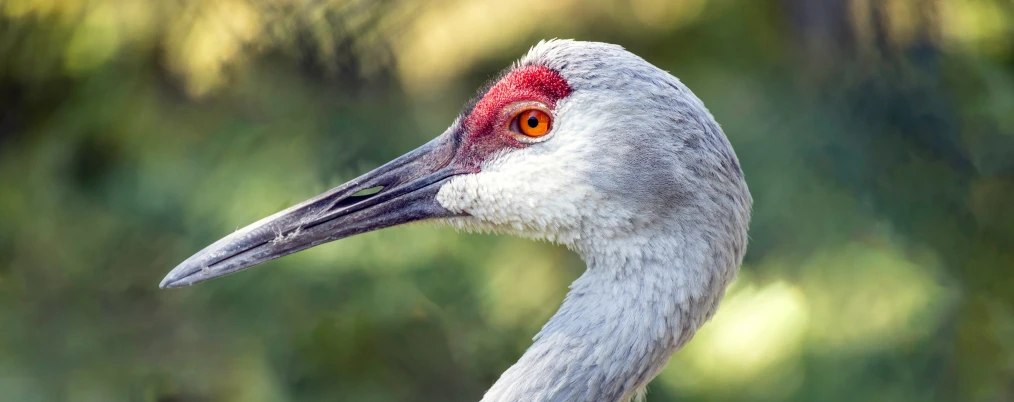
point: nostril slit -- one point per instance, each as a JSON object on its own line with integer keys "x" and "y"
{"x": 368, "y": 192}
{"x": 357, "y": 197}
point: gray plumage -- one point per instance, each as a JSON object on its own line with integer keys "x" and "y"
{"x": 635, "y": 175}
{"x": 660, "y": 217}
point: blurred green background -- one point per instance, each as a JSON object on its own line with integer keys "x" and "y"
{"x": 877, "y": 137}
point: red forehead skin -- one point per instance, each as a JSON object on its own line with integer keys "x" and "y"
{"x": 484, "y": 133}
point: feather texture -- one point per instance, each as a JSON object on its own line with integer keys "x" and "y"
{"x": 639, "y": 179}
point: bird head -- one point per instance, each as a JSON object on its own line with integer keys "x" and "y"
{"x": 578, "y": 143}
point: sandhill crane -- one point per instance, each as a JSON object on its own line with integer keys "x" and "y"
{"x": 582, "y": 144}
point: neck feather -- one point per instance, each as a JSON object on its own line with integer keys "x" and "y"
{"x": 618, "y": 326}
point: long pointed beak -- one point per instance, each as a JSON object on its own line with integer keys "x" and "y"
{"x": 410, "y": 184}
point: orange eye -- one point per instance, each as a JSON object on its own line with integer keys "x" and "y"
{"x": 533, "y": 123}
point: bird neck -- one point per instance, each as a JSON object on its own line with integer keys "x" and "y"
{"x": 617, "y": 328}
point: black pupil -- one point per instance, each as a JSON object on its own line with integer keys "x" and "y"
{"x": 533, "y": 122}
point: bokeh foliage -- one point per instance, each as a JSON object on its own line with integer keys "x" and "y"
{"x": 877, "y": 138}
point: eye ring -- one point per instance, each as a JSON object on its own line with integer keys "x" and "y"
{"x": 533, "y": 123}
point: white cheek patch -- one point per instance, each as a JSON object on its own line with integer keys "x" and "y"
{"x": 522, "y": 204}
{"x": 522, "y": 199}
